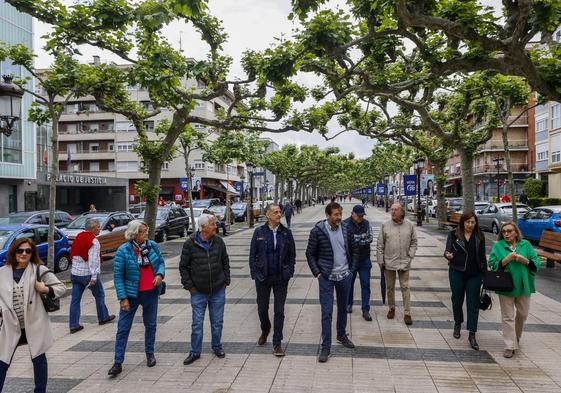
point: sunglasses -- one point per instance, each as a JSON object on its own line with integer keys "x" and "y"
{"x": 24, "y": 250}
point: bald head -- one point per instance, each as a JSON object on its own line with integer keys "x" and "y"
{"x": 397, "y": 212}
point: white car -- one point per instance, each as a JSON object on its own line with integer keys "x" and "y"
{"x": 196, "y": 212}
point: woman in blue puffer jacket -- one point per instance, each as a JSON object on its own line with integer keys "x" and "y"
{"x": 139, "y": 271}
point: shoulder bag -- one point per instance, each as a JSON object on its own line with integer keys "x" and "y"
{"x": 50, "y": 304}
{"x": 500, "y": 280}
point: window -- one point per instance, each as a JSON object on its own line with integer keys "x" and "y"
{"x": 541, "y": 125}
{"x": 127, "y": 166}
{"x": 94, "y": 166}
{"x": 94, "y": 147}
{"x": 555, "y": 116}
{"x": 43, "y": 234}
{"x": 542, "y": 156}
{"x": 124, "y": 126}
{"x": 125, "y": 146}
{"x": 210, "y": 167}
{"x": 199, "y": 165}
{"x": 111, "y": 147}
{"x": 165, "y": 166}
{"x": 149, "y": 126}
{"x": 556, "y": 156}
{"x": 29, "y": 233}
{"x": 36, "y": 220}
{"x": 111, "y": 166}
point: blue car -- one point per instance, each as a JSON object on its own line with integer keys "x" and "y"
{"x": 37, "y": 233}
{"x": 534, "y": 222}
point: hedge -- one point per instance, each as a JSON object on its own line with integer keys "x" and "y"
{"x": 535, "y": 202}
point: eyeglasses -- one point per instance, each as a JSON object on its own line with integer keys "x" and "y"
{"x": 504, "y": 231}
{"x": 24, "y": 250}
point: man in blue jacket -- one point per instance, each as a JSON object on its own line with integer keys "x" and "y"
{"x": 271, "y": 261}
{"x": 331, "y": 260}
{"x": 360, "y": 234}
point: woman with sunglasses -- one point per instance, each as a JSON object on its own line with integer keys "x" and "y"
{"x": 517, "y": 256}
{"x": 23, "y": 319}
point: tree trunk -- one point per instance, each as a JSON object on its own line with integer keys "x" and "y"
{"x": 281, "y": 200}
{"x": 276, "y": 197}
{"x": 440, "y": 194}
{"x": 154, "y": 177}
{"x": 227, "y": 212}
{"x": 508, "y": 162}
{"x": 53, "y": 174}
{"x": 186, "y": 154}
{"x": 466, "y": 160}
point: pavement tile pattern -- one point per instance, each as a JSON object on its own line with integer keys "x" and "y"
{"x": 389, "y": 356}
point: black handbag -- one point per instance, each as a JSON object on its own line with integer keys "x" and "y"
{"x": 163, "y": 290}
{"x": 50, "y": 304}
{"x": 500, "y": 280}
{"x": 485, "y": 301}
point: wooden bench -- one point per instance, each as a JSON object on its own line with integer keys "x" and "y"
{"x": 454, "y": 220}
{"x": 550, "y": 242}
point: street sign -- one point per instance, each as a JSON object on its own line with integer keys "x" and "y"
{"x": 380, "y": 189}
{"x": 410, "y": 187}
{"x": 369, "y": 190}
{"x": 184, "y": 183}
{"x": 258, "y": 174}
{"x": 238, "y": 186}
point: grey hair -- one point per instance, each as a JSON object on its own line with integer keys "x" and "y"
{"x": 133, "y": 228}
{"x": 204, "y": 219}
{"x": 270, "y": 206}
{"x": 91, "y": 224}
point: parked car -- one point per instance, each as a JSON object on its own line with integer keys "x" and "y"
{"x": 220, "y": 213}
{"x": 432, "y": 204}
{"x": 39, "y": 235}
{"x": 496, "y": 214}
{"x": 113, "y": 226}
{"x": 137, "y": 208}
{"x": 454, "y": 205}
{"x": 206, "y": 203}
{"x": 170, "y": 221}
{"x": 62, "y": 219}
{"x": 197, "y": 213}
{"x": 543, "y": 218}
{"x": 259, "y": 210}
{"x": 239, "y": 211}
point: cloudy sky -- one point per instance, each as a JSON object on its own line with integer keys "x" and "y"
{"x": 250, "y": 24}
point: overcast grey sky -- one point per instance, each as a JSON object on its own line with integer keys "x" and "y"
{"x": 250, "y": 24}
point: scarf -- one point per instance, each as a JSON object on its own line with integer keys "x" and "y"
{"x": 143, "y": 253}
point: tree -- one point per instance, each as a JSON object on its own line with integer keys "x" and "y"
{"x": 533, "y": 188}
{"x": 65, "y": 79}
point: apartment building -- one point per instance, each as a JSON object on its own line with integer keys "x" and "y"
{"x": 548, "y": 146}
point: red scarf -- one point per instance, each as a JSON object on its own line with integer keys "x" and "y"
{"x": 81, "y": 245}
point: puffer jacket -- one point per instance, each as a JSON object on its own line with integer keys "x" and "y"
{"x": 361, "y": 237}
{"x": 397, "y": 245}
{"x": 258, "y": 258}
{"x": 459, "y": 249}
{"x": 206, "y": 271}
{"x": 319, "y": 252}
{"x": 126, "y": 272}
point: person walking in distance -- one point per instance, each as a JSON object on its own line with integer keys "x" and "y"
{"x": 86, "y": 267}
{"x": 271, "y": 262}
{"x": 288, "y": 212}
{"x": 205, "y": 273}
{"x": 360, "y": 234}
{"x": 331, "y": 261}
{"x": 396, "y": 247}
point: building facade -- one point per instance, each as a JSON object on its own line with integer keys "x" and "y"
{"x": 17, "y": 152}
{"x": 548, "y": 146}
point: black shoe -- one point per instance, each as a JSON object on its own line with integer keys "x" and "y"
{"x": 457, "y": 329}
{"x": 366, "y": 315}
{"x": 473, "y": 341}
{"x": 345, "y": 341}
{"x": 109, "y": 319}
{"x": 350, "y": 309}
{"x": 76, "y": 329}
{"x": 115, "y": 370}
{"x": 220, "y": 353}
{"x": 150, "y": 360}
{"x": 190, "y": 359}
{"x": 323, "y": 355}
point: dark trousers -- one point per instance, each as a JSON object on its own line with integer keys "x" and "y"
{"x": 263, "y": 289}
{"x": 363, "y": 272}
{"x": 40, "y": 369}
{"x": 288, "y": 219}
{"x": 326, "y": 289}
{"x": 468, "y": 288}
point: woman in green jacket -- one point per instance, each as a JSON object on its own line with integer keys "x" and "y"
{"x": 518, "y": 257}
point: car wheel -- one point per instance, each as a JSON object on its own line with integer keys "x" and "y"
{"x": 185, "y": 232}
{"x": 62, "y": 264}
{"x": 495, "y": 229}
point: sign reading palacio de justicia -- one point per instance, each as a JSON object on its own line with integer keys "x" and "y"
{"x": 78, "y": 179}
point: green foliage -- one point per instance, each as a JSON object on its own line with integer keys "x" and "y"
{"x": 146, "y": 191}
{"x": 540, "y": 201}
{"x": 533, "y": 188}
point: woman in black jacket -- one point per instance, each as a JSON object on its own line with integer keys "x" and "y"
{"x": 465, "y": 251}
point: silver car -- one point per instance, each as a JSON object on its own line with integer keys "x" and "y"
{"x": 496, "y": 214}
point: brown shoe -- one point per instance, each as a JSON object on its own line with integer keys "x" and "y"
{"x": 391, "y": 313}
{"x": 407, "y": 319}
{"x": 278, "y": 351}
{"x": 508, "y": 353}
{"x": 262, "y": 339}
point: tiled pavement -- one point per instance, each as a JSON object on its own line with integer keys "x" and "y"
{"x": 390, "y": 357}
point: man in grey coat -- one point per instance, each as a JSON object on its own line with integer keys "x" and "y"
{"x": 396, "y": 248}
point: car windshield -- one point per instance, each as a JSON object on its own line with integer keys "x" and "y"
{"x": 238, "y": 206}
{"x": 80, "y": 222}
{"x": 162, "y": 214}
{"x": 219, "y": 209}
{"x": 15, "y": 218}
{"x": 456, "y": 202}
{"x": 4, "y": 236}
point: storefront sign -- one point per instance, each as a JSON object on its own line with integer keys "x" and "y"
{"x": 178, "y": 197}
{"x": 78, "y": 179}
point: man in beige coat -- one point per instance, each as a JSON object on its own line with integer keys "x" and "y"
{"x": 397, "y": 244}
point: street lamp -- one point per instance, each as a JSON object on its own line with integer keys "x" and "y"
{"x": 267, "y": 189}
{"x": 10, "y": 105}
{"x": 498, "y": 164}
{"x": 242, "y": 178}
{"x": 386, "y": 181}
{"x": 250, "y": 169}
{"x": 419, "y": 164}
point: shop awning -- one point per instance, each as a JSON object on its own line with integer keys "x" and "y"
{"x": 229, "y": 187}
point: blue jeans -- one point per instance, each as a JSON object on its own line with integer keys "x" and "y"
{"x": 326, "y": 289}
{"x": 215, "y": 302}
{"x": 149, "y": 302}
{"x": 364, "y": 269}
{"x": 79, "y": 285}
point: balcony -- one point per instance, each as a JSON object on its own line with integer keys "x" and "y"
{"x": 491, "y": 169}
{"x": 87, "y": 155}
{"x": 514, "y": 145}
{"x": 91, "y": 134}
{"x": 521, "y": 121}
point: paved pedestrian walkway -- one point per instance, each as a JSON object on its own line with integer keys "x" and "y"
{"x": 390, "y": 356}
